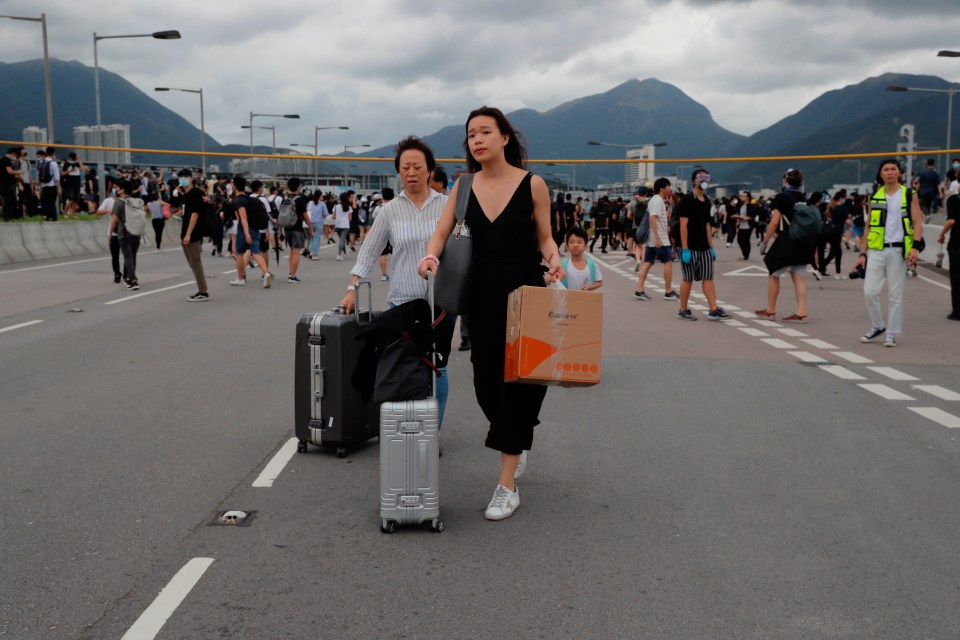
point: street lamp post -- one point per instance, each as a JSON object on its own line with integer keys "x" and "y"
{"x": 203, "y": 132}
{"x": 345, "y": 148}
{"x": 627, "y": 147}
{"x": 316, "y": 149}
{"x": 293, "y": 116}
{"x": 157, "y": 35}
{"x": 574, "y": 167}
{"x": 273, "y": 132}
{"x": 950, "y": 93}
{"x": 48, "y": 86}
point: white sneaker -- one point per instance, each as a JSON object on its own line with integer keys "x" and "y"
{"x": 340, "y": 257}
{"x": 238, "y": 282}
{"x": 503, "y": 504}
{"x": 267, "y": 280}
{"x": 521, "y": 466}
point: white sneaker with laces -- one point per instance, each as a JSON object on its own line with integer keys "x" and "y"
{"x": 503, "y": 504}
{"x": 521, "y": 466}
{"x": 238, "y": 282}
{"x": 267, "y": 280}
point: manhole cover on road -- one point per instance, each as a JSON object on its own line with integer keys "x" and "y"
{"x": 233, "y": 518}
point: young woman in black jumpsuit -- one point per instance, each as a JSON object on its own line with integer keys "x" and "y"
{"x": 509, "y": 219}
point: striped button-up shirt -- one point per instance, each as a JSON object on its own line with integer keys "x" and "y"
{"x": 408, "y": 230}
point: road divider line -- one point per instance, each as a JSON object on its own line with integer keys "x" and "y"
{"x": 793, "y": 333}
{"x": 885, "y": 392}
{"x": 778, "y": 343}
{"x": 756, "y": 333}
{"x": 939, "y": 416}
{"x": 273, "y": 469}
{"x": 20, "y": 326}
{"x": 893, "y": 374}
{"x": 819, "y": 344}
{"x": 841, "y": 372}
{"x": 939, "y": 284}
{"x": 849, "y": 356}
{"x": 150, "y": 622}
{"x": 806, "y": 356}
{"x": 766, "y": 323}
{"x": 72, "y": 262}
{"x": 734, "y": 323}
{"x": 745, "y": 314}
{"x": 148, "y": 293}
{"x": 938, "y": 391}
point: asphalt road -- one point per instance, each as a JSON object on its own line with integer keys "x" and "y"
{"x": 725, "y": 480}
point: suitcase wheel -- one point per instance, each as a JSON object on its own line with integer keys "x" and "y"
{"x": 437, "y": 526}
{"x": 341, "y": 452}
{"x": 302, "y": 446}
{"x": 388, "y": 526}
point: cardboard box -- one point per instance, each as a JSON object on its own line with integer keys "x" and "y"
{"x": 554, "y": 336}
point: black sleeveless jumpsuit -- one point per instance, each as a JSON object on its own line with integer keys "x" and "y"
{"x": 507, "y": 256}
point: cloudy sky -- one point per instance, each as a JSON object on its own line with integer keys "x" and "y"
{"x": 387, "y": 68}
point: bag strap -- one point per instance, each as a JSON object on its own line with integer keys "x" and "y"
{"x": 464, "y": 185}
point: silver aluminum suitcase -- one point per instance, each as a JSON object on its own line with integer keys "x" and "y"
{"x": 410, "y": 460}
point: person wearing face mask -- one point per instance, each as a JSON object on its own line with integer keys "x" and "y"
{"x": 950, "y": 183}
{"x": 697, "y": 254}
{"x": 191, "y": 231}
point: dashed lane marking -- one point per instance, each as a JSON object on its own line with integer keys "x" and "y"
{"x": 938, "y": 391}
{"x": 273, "y": 469}
{"x": 744, "y": 314}
{"x": 939, "y": 416}
{"x": 72, "y": 262}
{"x": 819, "y": 344}
{"x": 778, "y": 343}
{"x": 939, "y": 284}
{"x": 756, "y": 333}
{"x": 734, "y": 323}
{"x": 849, "y": 356}
{"x": 148, "y": 293}
{"x": 767, "y": 323}
{"x": 841, "y": 372}
{"x": 806, "y": 356}
{"x": 148, "y": 625}
{"x": 20, "y": 326}
{"x": 793, "y": 333}
{"x": 893, "y": 374}
{"x": 885, "y": 392}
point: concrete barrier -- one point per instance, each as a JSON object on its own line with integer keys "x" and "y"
{"x": 53, "y": 240}
{"x": 91, "y": 237}
{"x": 11, "y": 239}
{"x": 33, "y": 240}
{"x": 171, "y": 232}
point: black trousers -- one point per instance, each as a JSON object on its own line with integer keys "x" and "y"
{"x": 9, "y": 195}
{"x": 836, "y": 252}
{"x": 115, "y": 257}
{"x": 603, "y": 232}
{"x": 731, "y": 232}
{"x": 954, "y": 255}
{"x": 129, "y": 245}
{"x": 743, "y": 239}
{"x": 158, "y": 224}
{"x": 48, "y": 199}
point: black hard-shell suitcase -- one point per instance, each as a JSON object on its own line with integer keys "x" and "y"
{"x": 328, "y": 411}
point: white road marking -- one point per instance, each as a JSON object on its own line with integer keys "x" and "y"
{"x": 149, "y": 293}
{"x": 793, "y": 333}
{"x": 849, "y": 356}
{"x": 938, "y": 391}
{"x": 20, "y": 326}
{"x": 940, "y": 416}
{"x": 734, "y": 323}
{"x": 806, "y": 356}
{"x": 72, "y": 262}
{"x": 756, "y": 333}
{"x": 273, "y": 469}
{"x": 729, "y": 307}
{"x": 766, "y": 323}
{"x": 744, "y": 314}
{"x": 149, "y": 623}
{"x": 819, "y": 344}
{"x": 892, "y": 373}
{"x": 778, "y": 343}
{"x": 698, "y": 307}
{"x": 884, "y": 391}
{"x": 752, "y": 270}
{"x": 841, "y": 372}
{"x": 939, "y": 284}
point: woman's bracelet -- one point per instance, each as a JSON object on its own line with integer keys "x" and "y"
{"x": 434, "y": 259}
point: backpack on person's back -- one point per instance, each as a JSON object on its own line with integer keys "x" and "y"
{"x": 134, "y": 216}
{"x": 642, "y": 217}
{"x": 806, "y": 224}
{"x": 45, "y": 171}
{"x": 287, "y": 213}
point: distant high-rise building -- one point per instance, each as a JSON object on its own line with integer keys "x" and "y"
{"x": 640, "y": 173}
{"x": 35, "y": 134}
{"x": 109, "y": 135}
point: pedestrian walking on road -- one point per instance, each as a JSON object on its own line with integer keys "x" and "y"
{"x": 252, "y": 217}
{"x": 50, "y": 189}
{"x": 894, "y": 232}
{"x": 746, "y": 218}
{"x": 953, "y": 253}
{"x": 509, "y": 219}
{"x": 697, "y": 254}
{"x": 191, "y": 231}
{"x": 658, "y": 242}
{"x": 296, "y": 235}
{"x": 786, "y": 255}
{"x": 342, "y": 213}
{"x": 128, "y": 220}
{"x": 155, "y": 207}
{"x": 317, "y": 210}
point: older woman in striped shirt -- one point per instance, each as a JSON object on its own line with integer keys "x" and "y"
{"x": 407, "y": 222}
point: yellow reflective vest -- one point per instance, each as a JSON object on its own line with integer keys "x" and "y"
{"x": 878, "y": 219}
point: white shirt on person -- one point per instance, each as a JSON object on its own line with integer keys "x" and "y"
{"x": 408, "y": 230}
{"x": 893, "y": 229}
{"x": 342, "y": 216}
{"x": 661, "y": 226}
{"x": 578, "y": 278}
{"x": 54, "y": 173}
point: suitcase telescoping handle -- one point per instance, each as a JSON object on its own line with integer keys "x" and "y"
{"x": 433, "y": 354}
{"x": 356, "y": 307}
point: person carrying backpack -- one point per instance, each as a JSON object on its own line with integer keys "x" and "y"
{"x": 294, "y": 206}
{"x": 129, "y": 221}
{"x": 793, "y": 246}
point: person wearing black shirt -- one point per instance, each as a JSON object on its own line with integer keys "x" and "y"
{"x": 600, "y": 215}
{"x": 191, "y": 231}
{"x": 697, "y": 254}
{"x": 296, "y": 239}
{"x": 834, "y": 222}
{"x": 929, "y": 188}
{"x": 252, "y": 216}
{"x": 953, "y": 253}
{"x": 8, "y": 184}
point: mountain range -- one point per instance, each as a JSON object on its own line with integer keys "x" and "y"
{"x": 860, "y": 118}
